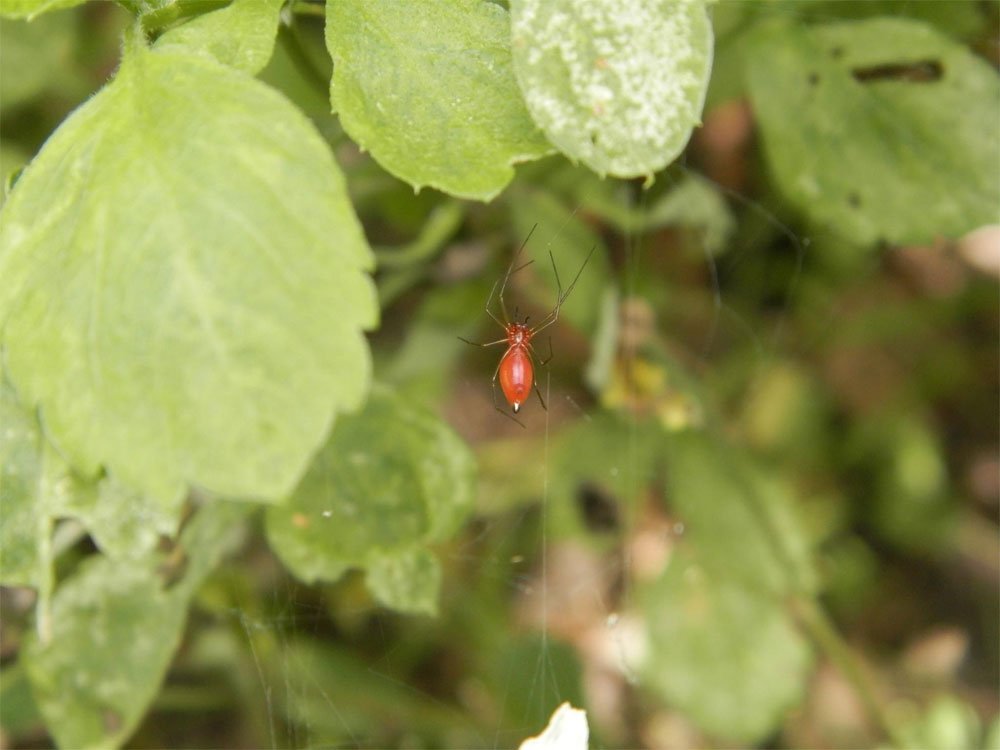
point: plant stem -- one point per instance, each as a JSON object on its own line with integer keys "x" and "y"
{"x": 817, "y": 623}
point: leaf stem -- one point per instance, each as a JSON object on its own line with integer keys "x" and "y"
{"x": 817, "y": 623}
{"x": 443, "y": 222}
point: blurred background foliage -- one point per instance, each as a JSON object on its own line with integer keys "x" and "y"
{"x": 762, "y": 506}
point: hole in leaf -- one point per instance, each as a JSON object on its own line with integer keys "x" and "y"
{"x": 922, "y": 71}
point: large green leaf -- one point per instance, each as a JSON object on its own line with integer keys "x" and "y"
{"x": 390, "y": 480}
{"x": 616, "y": 85}
{"x": 114, "y": 629}
{"x": 727, "y": 657}
{"x": 428, "y": 89}
{"x": 860, "y": 128}
{"x": 241, "y": 35}
{"x": 183, "y": 283}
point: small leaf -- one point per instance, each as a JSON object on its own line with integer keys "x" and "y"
{"x": 721, "y": 653}
{"x": 31, "y": 8}
{"x": 389, "y": 479}
{"x": 240, "y": 35}
{"x": 616, "y": 85}
{"x": 408, "y": 582}
{"x": 114, "y": 632}
{"x": 428, "y": 89}
{"x": 115, "y": 628}
{"x": 183, "y": 291}
{"x": 858, "y": 124}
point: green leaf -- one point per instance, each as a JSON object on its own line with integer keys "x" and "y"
{"x": 183, "y": 283}
{"x": 616, "y": 85}
{"x": 390, "y": 480}
{"x": 122, "y": 522}
{"x": 114, "y": 630}
{"x": 858, "y": 124}
{"x": 21, "y": 524}
{"x": 741, "y": 519}
{"x": 409, "y": 582}
{"x": 34, "y": 55}
{"x": 428, "y": 89}
{"x": 725, "y": 656}
{"x": 39, "y": 488}
{"x": 241, "y": 35}
{"x": 18, "y": 712}
{"x": 31, "y": 8}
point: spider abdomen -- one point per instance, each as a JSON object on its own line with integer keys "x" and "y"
{"x": 516, "y": 376}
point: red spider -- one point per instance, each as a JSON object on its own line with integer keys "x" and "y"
{"x": 516, "y": 369}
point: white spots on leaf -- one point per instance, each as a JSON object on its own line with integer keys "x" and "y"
{"x": 618, "y": 84}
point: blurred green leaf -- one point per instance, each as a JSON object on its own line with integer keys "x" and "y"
{"x": 114, "y": 633}
{"x": 912, "y": 507}
{"x": 31, "y": 8}
{"x": 618, "y": 86}
{"x": 35, "y": 56}
{"x": 240, "y": 35}
{"x": 947, "y": 724}
{"x": 195, "y": 341}
{"x": 18, "y": 712}
{"x": 720, "y": 652}
{"x": 830, "y": 98}
{"x": 446, "y": 114}
{"x": 409, "y": 581}
{"x": 114, "y": 630}
{"x": 390, "y": 480}
{"x": 22, "y": 525}
{"x": 741, "y": 519}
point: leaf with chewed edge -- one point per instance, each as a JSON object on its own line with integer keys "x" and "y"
{"x": 428, "y": 89}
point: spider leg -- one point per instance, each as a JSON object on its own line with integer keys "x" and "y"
{"x": 548, "y": 358}
{"x": 538, "y": 393}
{"x": 553, "y": 316}
{"x": 488, "y": 343}
{"x": 511, "y": 270}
